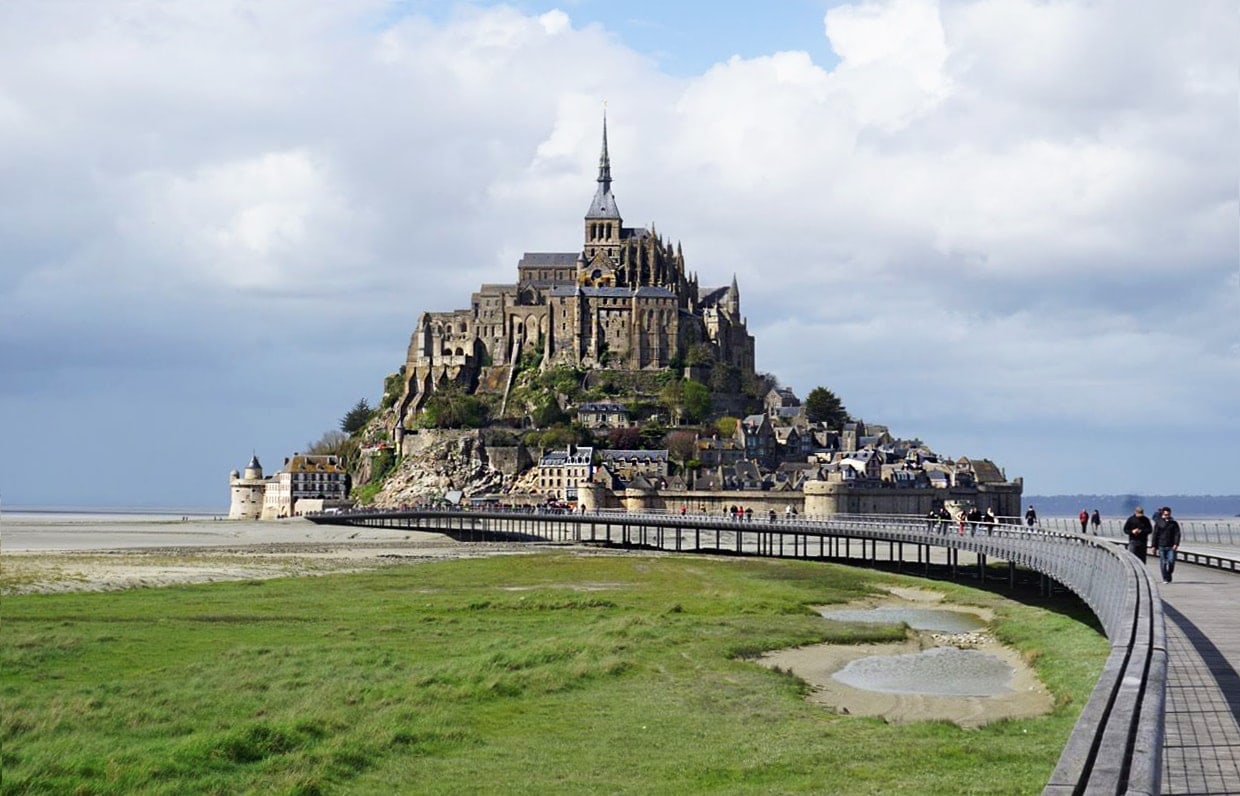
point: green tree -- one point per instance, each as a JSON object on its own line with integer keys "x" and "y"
{"x": 393, "y": 388}
{"x": 696, "y": 402}
{"x": 725, "y": 378}
{"x": 726, "y": 426}
{"x": 824, "y": 406}
{"x": 547, "y": 412}
{"x": 555, "y": 437}
{"x": 356, "y": 418}
{"x": 699, "y": 354}
{"x": 687, "y": 401}
{"x": 651, "y": 436}
{"x": 452, "y": 408}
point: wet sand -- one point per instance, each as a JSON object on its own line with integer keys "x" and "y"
{"x": 43, "y": 553}
{"x": 816, "y": 665}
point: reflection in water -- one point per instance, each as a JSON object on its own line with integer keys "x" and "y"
{"x": 939, "y": 671}
{"x": 916, "y": 618}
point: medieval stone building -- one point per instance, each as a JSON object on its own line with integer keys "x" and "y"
{"x": 623, "y": 301}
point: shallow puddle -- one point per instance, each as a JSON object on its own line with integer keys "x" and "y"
{"x": 939, "y": 671}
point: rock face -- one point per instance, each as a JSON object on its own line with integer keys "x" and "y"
{"x": 437, "y": 462}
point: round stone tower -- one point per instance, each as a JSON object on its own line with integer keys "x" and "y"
{"x": 247, "y": 492}
{"x": 823, "y": 498}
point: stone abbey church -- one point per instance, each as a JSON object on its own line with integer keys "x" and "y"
{"x": 623, "y": 301}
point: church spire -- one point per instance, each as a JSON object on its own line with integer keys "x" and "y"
{"x": 604, "y": 162}
{"x": 604, "y": 204}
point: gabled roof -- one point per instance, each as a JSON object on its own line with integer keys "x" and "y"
{"x": 782, "y": 433}
{"x": 604, "y": 476}
{"x": 747, "y": 470}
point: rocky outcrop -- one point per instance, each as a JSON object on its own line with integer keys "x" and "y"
{"x": 437, "y": 462}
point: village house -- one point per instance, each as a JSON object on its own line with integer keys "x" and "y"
{"x": 603, "y": 414}
{"x": 626, "y": 464}
{"x": 560, "y": 472}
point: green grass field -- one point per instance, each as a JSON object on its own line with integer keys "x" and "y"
{"x": 553, "y": 673}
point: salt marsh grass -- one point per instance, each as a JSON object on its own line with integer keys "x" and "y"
{"x": 553, "y": 673}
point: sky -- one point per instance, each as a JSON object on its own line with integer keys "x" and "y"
{"x": 1009, "y": 228}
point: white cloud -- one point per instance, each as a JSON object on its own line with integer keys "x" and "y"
{"x": 892, "y": 58}
{"x": 270, "y": 221}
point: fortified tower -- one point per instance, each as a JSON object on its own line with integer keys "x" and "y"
{"x": 247, "y": 492}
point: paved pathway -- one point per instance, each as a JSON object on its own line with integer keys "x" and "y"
{"x": 1201, "y": 750}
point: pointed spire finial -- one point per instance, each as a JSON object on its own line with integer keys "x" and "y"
{"x": 604, "y": 161}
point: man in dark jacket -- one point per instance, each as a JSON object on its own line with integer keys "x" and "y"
{"x": 1137, "y": 530}
{"x": 1166, "y": 541}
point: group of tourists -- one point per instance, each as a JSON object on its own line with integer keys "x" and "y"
{"x": 1161, "y": 536}
{"x": 970, "y": 518}
{"x": 1088, "y": 519}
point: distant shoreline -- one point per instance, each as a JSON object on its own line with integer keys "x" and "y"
{"x": 125, "y": 511}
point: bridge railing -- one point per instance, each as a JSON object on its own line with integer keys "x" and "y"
{"x": 1116, "y": 744}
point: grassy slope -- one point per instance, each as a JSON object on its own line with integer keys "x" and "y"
{"x": 539, "y": 674}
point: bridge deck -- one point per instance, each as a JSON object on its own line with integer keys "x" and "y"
{"x": 1201, "y": 749}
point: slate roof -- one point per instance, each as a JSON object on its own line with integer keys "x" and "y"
{"x": 639, "y": 482}
{"x": 314, "y": 463}
{"x": 602, "y": 406}
{"x": 558, "y": 458}
{"x": 562, "y": 289}
{"x": 639, "y": 455}
{"x": 987, "y": 472}
{"x": 545, "y": 259}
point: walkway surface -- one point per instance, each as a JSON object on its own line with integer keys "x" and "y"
{"x": 1201, "y": 750}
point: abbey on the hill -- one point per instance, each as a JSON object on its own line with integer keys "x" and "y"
{"x": 624, "y": 301}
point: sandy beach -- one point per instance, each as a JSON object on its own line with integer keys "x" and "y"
{"x": 44, "y": 553}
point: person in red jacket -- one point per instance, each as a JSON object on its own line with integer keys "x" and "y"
{"x": 1084, "y": 518}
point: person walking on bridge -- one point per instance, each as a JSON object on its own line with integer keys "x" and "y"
{"x": 1084, "y": 518}
{"x": 1095, "y": 520}
{"x": 1166, "y": 541}
{"x": 1137, "y": 530}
